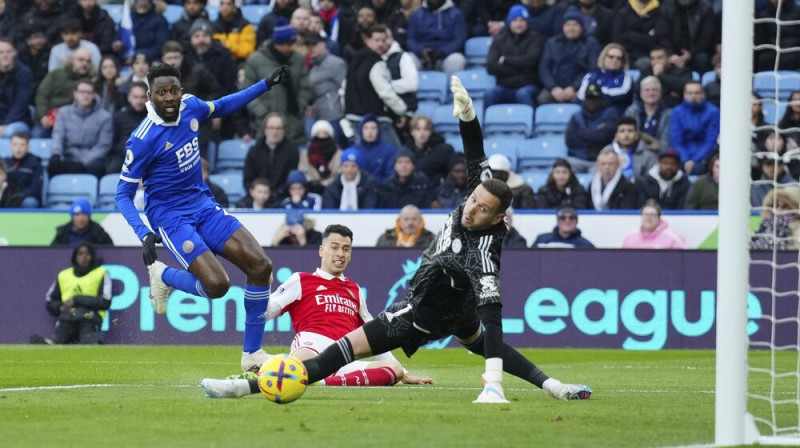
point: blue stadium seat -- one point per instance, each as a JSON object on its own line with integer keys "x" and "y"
{"x": 535, "y": 178}
{"x": 477, "y": 81}
{"x": 254, "y": 13}
{"x": 444, "y": 123}
{"x": 231, "y": 183}
{"x": 708, "y": 78}
{"x": 5, "y": 148}
{"x": 512, "y": 120}
{"x": 432, "y": 86}
{"x": 173, "y": 13}
{"x": 541, "y": 152}
{"x": 426, "y": 108}
{"x": 65, "y": 188}
{"x": 456, "y": 142}
{"x": 476, "y": 49}
{"x": 107, "y": 191}
{"x": 213, "y": 12}
{"x": 553, "y": 118}
{"x": 585, "y": 179}
{"x": 773, "y": 111}
{"x": 231, "y": 154}
{"x": 785, "y": 81}
{"x": 504, "y": 146}
{"x": 634, "y": 74}
{"x": 41, "y": 147}
{"x": 115, "y": 11}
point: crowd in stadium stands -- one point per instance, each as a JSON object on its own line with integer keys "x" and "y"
{"x": 637, "y": 81}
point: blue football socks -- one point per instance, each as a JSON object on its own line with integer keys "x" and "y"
{"x": 255, "y": 306}
{"x": 184, "y": 281}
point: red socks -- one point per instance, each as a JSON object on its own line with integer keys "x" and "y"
{"x": 380, "y": 376}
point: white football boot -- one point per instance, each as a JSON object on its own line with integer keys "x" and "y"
{"x": 159, "y": 291}
{"x": 225, "y": 388}
{"x": 251, "y": 362}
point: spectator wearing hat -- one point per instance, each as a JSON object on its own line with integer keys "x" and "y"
{"x": 81, "y": 228}
{"x": 436, "y": 36}
{"x": 71, "y": 40}
{"x": 598, "y": 17}
{"x": 193, "y": 10}
{"x": 281, "y": 9}
{"x": 259, "y": 196}
{"x": 96, "y": 24}
{"x": 353, "y": 189}
{"x": 10, "y": 195}
{"x": 773, "y": 171}
{"x": 377, "y": 156}
{"x": 567, "y": 58}
{"x": 704, "y": 194}
{"x": 406, "y": 185}
{"x": 298, "y": 231}
{"x": 635, "y": 158}
{"x": 299, "y": 198}
{"x": 612, "y": 77}
{"x": 610, "y": 190}
{"x": 514, "y": 60}
{"x": 327, "y": 74}
{"x": 522, "y": 194}
{"x": 320, "y": 161}
{"x": 562, "y": 188}
{"x": 234, "y": 31}
{"x": 665, "y": 182}
{"x": 429, "y": 148}
{"x": 272, "y": 156}
{"x": 513, "y": 239}
{"x": 654, "y": 232}
{"x": 25, "y": 170}
{"x": 288, "y": 98}
{"x": 693, "y": 128}
{"x": 409, "y": 230}
{"x": 590, "y": 129}
{"x": 453, "y": 190}
{"x": 35, "y": 53}
{"x": 150, "y": 29}
{"x": 565, "y": 235}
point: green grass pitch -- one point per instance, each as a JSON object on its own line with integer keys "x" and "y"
{"x": 139, "y": 396}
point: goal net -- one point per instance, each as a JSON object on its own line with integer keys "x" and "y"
{"x": 758, "y": 281}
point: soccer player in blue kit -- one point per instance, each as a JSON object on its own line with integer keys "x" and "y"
{"x": 163, "y": 152}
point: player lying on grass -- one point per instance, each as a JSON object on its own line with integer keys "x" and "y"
{"x": 164, "y": 153}
{"x": 324, "y": 306}
{"x": 456, "y": 290}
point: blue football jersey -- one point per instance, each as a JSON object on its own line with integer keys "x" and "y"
{"x": 166, "y": 156}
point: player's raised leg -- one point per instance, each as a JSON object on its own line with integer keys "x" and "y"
{"x": 243, "y": 250}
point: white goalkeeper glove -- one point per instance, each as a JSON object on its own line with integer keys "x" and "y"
{"x": 462, "y": 103}
{"x": 492, "y": 383}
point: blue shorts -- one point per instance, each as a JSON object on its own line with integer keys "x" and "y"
{"x": 188, "y": 236}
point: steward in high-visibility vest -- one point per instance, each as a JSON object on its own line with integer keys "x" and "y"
{"x": 79, "y": 299}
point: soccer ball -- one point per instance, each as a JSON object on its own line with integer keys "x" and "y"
{"x": 282, "y": 379}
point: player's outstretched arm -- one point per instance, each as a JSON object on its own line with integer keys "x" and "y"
{"x": 230, "y": 103}
{"x": 471, "y": 134}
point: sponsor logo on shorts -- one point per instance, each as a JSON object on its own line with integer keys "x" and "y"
{"x": 187, "y": 246}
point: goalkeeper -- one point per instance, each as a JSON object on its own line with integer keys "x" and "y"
{"x": 456, "y": 290}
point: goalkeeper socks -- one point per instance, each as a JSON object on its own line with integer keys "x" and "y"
{"x": 494, "y": 370}
{"x": 256, "y": 299}
{"x": 184, "y": 281}
{"x": 514, "y": 363}
{"x": 330, "y": 360}
{"x": 379, "y": 376}
{"x": 553, "y": 386}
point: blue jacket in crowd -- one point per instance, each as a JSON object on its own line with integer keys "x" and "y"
{"x": 554, "y": 240}
{"x": 27, "y": 174}
{"x": 617, "y": 86}
{"x": 377, "y": 158}
{"x": 565, "y": 62}
{"x": 443, "y": 30}
{"x": 693, "y": 130}
{"x": 151, "y": 31}
{"x": 587, "y": 133}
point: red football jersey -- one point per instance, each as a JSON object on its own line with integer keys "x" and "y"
{"x": 322, "y": 304}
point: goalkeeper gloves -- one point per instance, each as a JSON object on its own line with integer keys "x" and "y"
{"x": 462, "y": 103}
{"x": 281, "y": 74}
{"x": 149, "y": 248}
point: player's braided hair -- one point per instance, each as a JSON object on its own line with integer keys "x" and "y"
{"x": 159, "y": 70}
{"x": 500, "y": 190}
{"x": 339, "y": 230}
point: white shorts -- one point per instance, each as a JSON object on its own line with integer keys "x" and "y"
{"x": 317, "y": 343}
